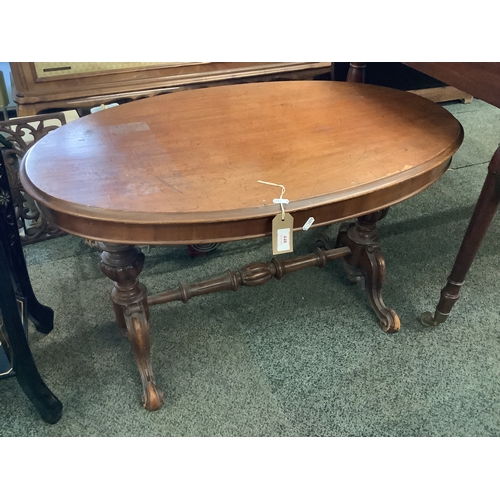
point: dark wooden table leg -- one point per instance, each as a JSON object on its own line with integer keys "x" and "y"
{"x": 122, "y": 264}
{"x": 484, "y": 212}
{"x": 356, "y": 72}
{"x": 366, "y": 261}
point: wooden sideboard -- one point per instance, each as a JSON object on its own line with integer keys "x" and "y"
{"x": 45, "y": 87}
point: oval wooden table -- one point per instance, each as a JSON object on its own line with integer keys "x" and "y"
{"x": 184, "y": 168}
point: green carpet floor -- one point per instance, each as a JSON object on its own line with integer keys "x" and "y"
{"x": 304, "y": 356}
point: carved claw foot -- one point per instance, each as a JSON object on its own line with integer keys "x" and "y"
{"x": 152, "y": 398}
{"x": 374, "y": 272}
{"x": 122, "y": 264}
{"x": 366, "y": 260}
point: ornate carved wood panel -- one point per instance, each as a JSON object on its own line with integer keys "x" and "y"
{"x": 17, "y": 136}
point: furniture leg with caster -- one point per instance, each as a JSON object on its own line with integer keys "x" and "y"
{"x": 484, "y": 212}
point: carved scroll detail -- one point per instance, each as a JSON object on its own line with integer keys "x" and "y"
{"x": 19, "y": 135}
{"x": 366, "y": 260}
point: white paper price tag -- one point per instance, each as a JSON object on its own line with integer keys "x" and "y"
{"x": 283, "y": 244}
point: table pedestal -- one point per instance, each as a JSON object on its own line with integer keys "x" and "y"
{"x": 122, "y": 264}
{"x": 358, "y": 244}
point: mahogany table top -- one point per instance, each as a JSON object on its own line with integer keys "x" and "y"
{"x": 183, "y": 167}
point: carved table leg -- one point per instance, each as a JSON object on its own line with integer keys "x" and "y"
{"x": 366, "y": 261}
{"x": 122, "y": 264}
{"x": 484, "y": 212}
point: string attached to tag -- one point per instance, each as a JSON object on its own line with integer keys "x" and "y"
{"x": 282, "y": 201}
{"x": 282, "y": 227}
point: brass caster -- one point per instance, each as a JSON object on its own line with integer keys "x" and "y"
{"x": 428, "y": 319}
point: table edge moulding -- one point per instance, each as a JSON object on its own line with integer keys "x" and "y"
{"x": 185, "y": 168}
